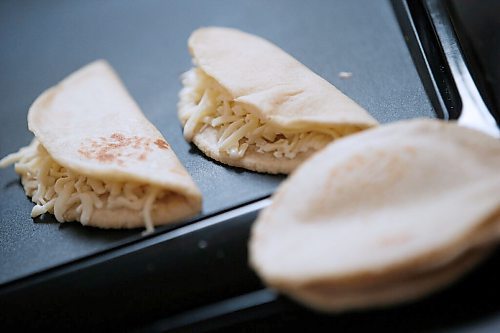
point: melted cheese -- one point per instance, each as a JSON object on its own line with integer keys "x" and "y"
{"x": 204, "y": 103}
{"x": 67, "y": 195}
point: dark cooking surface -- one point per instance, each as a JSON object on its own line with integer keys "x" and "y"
{"x": 42, "y": 42}
{"x": 477, "y": 24}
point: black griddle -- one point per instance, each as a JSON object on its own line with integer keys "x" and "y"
{"x": 192, "y": 275}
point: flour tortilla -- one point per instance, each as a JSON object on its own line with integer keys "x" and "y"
{"x": 270, "y": 83}
{"x": 206, "y": 141}
{"x": 92, "y": 105}
{"x": 380, "y": 205}
{"x": 326, "y": 298}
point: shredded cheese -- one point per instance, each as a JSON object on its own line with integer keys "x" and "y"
{"x": 70, "y": 196}
{"x": 203, "y": 102}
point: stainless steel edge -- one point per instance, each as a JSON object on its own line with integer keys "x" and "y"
{"x": 474, "y": 112}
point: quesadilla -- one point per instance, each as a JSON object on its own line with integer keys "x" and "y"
{"x": 247, "y": 103}
{"x": 381, "y": 217}
{"x": 96, "y": 159}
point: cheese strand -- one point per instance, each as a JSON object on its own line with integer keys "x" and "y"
{"x": 204, "y": 103}
{"x": 59, "y": 191}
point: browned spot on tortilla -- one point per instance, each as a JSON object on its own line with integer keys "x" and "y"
{"x": 105, "y": 157}
{"x": 118, "y": 136}
{"x": 117, "y": 148}
{"x": 137, "y": 142}
{"x": 147, "y": 146}
{"x": 162, "y": 144}
{"x": 85, "y": 153}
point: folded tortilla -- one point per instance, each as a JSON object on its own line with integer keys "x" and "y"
{"x": 328, "y": 297}
{"x": 96, "y": 158}
{"x": 250, "y": 104}
{"x": 384, "y": 216}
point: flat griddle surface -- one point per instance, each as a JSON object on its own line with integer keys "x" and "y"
{"x": 145, "y": 41}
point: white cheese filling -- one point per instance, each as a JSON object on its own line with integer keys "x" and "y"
{"x": 67, "y": 195}
{"x": 204, "y": 103}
